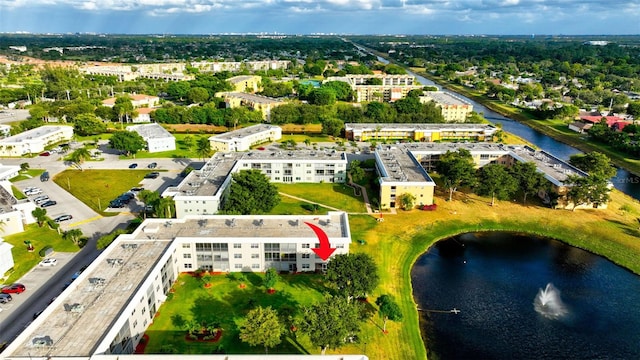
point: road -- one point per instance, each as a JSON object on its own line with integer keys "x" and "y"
{"x": 45, "y": 283}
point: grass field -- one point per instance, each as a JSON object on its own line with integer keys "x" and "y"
{"x": 339, "y": 196}
{"x": 39, "y": 237}
{"x": 226, "y": 304}
{"x": 289, "y": 206}
{"x": 96, "y": 188}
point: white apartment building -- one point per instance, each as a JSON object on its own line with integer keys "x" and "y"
{"x": 157, "y": 138}
{"x": 202, "y": 191}
{"x": 243, "y": 139}
{"x": 124, "y": 287}
{"x": 35, "y": 140}
{"x": 394, "y": 87}
{"x": 453, "y": 108}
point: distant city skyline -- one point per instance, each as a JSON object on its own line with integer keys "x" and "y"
{"x": 437, "y": 17}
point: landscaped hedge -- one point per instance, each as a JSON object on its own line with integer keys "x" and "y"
{"x": 45, "y": 251}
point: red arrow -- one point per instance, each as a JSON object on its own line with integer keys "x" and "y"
{"x": 325, "y": 250}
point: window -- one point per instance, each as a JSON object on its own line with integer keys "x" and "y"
{"x": 237, "y": 256}
{"x": 255, "y": 246}
{"x": 484, "y": 156}
{"x": 306, "y": 256}
{"x": 305, "y": 246}
{"x": 340, "y": 246}
{"x": 187, "y": 266}
{"x": 237, "y": 266}
{"x": 186, "y": 246}
{"x": 237, "y": 246}
{"x": 135, "y": 323}
{"x": 255, "y": 256}
{"x": 306, "y": 266}
{"x": 186, "y": 256}
{"x": 255, "y": 266}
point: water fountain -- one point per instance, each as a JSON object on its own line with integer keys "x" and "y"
{"x": 548, "y": 303}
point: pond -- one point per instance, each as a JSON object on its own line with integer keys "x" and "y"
{"x": 524, "y": 297}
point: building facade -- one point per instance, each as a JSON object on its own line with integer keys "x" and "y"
{"x": 453, "y": 108}
{"x": 243, "y": 139}
{"x": 419, "y": 132}
{"x": 35, "y": 140}
{"x": 254, "y": 102}
{"x": 157, "y": 138}
{"x": 392, "y": 87}
{"x": 245, "y": 83}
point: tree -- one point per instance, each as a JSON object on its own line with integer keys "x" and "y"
{"x": 388, "y": 310}
{"x": 74, "y": 235}
{"x": 24, "y": 166}
{"x": 197, "y": 95}
{"x": 187, "y": 141}
{"x": 456, "y": 169}
{"x": 322, "y": 96}
{"x": 149, "y": 197}
{"x": 261, "y": 327}
{"x": 166, "y": 208}
{"x": 529, "y": 179}
{"x": 406, "y": 201}
{"x": 332, "y": 126}
{"x": 356, "y": 171}
{"x": 594, "y": 163}
{"x": 250, "y": 193}
{"x": 585, "y": 190}
{"x": 178, "y": 89}
{"x": 203, "y": 148}
{"x": 354, "y": 274}
{"x": 331, "y": 322}
{"x": 129, "y": 142}
{"x": 270, "y": 278}
{"x": 40, "y": 215}
{"x": 124, "y": 108}
{"x": 495, "y": 180}
{"x": 79, "y": 156}
{"x": 633, "y": 109}
{"x": 88, "y": 124}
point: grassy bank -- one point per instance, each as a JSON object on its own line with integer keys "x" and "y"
{"x": 550, "y": 128}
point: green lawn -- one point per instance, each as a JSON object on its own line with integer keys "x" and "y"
{"x": 96, "y": 188}
{"x": 339, "y": 196}
{"x": 226, "y": 304}
{"x": 39, "y": 237}
{"x": 289, "y": 206}
{"x": 24, "y": 175}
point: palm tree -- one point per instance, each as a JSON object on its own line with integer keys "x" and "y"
{"x": 73, "y": 235}
{"x": 41, "y": 215}
{"x": 79, "y": 156}
{"x": 203, "y": 148}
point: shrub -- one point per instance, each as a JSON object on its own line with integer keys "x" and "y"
{"x": 45, "y": 251}
{"x": 105, "y": 240}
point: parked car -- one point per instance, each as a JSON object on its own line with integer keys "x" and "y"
{"x": 14, "y": 288}
{"x": 116, "y": 204}
{"x": 48, "y": 262}
{"x": 133, "y": 166}
{"x": 48, "y": 203}
{"x": 5, "y": 298}
{"x": 34, "y": 191}
{"x": 40, "y": 199}
{"x": 46, "y": 153}
{"x": 136, "y": 190}
{"x": 152, "y": 175}
{"x": 153, "y": 165}
{"x": 44, "y": 176}
{"x": 63, "y": 218}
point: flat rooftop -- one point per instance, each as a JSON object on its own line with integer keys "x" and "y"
{"x": 75, "y": 323}
{"x": 400, "y": 165}
{"x": 442, "y": 97}
{"x": 251, "y": 227}
{"x": 150, "y": 131}
{"x": 34, "y": 133}
{"x": 241, "y": 78}
{"x": 244, "y": 132}
{"x": 208, "y": 180}
{"x": 258, "y": 99}
{"x": 425, "y": 127}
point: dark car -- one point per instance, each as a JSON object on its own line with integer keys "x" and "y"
{"x": 63, "y": 218}
{"x": 48, "y": 203}
{"x": 14, "y": 288}
{"x": 116, "y": 204}
{"x": 5, "y": 298}
{"x": 153, "y": 165}
{"x": 46, "y": 153}
{"x": 133, "y": 166}
{"x": 152, "y": 175}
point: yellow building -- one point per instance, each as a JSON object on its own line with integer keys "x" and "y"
{"x": 254, "y": 102}
{"x": 246, "y": 83}
{"x": 419, "y": 132}
{"x": 453, "y": 108}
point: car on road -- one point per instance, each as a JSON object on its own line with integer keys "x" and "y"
{"x": 48, "y": 262}
{"x": 44, "y": 176}
{"x": 152, "y": 175}
{"x": 63, "y": 218}
{"x": 153, "y": 165}
{"x": 133, "y": 166}
{"x": 5, "y": 298}
{"x": 14, "y": 288}
{"x": 48, "y": 203}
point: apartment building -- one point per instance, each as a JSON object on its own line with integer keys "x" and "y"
{"x": 35, "y": 140}
{"x": 137, "y": 100}
{"x": 128, "y": 282}
{"x": 254, "y": 102}
{"x": 157, "y": 138}
{"x": 453, "y": 108}
{"x": 245, "y": 83}
{"x": 202, "y": 191}
{"x": 243, "y": 139}
{"x": 419, "y": 132}
{"x": 393, "y": 87}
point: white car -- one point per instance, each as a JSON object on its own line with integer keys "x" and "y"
{"x": 48, "y": 262}
{"x": 35, "y": 191}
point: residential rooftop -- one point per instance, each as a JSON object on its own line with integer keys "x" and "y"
{"x": 445, "y": 98}
{"x": 243, "y": 132}
{"x": 241, "y": 78}
{"x": 399, "y": 165}
{"x": 150, "y": 131}
{"x": 257, "y": 99}
{"x": 426, "y": 127}
{"x": 34, "y": 133}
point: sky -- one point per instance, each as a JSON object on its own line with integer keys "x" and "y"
{"x": 437, "y": 17}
